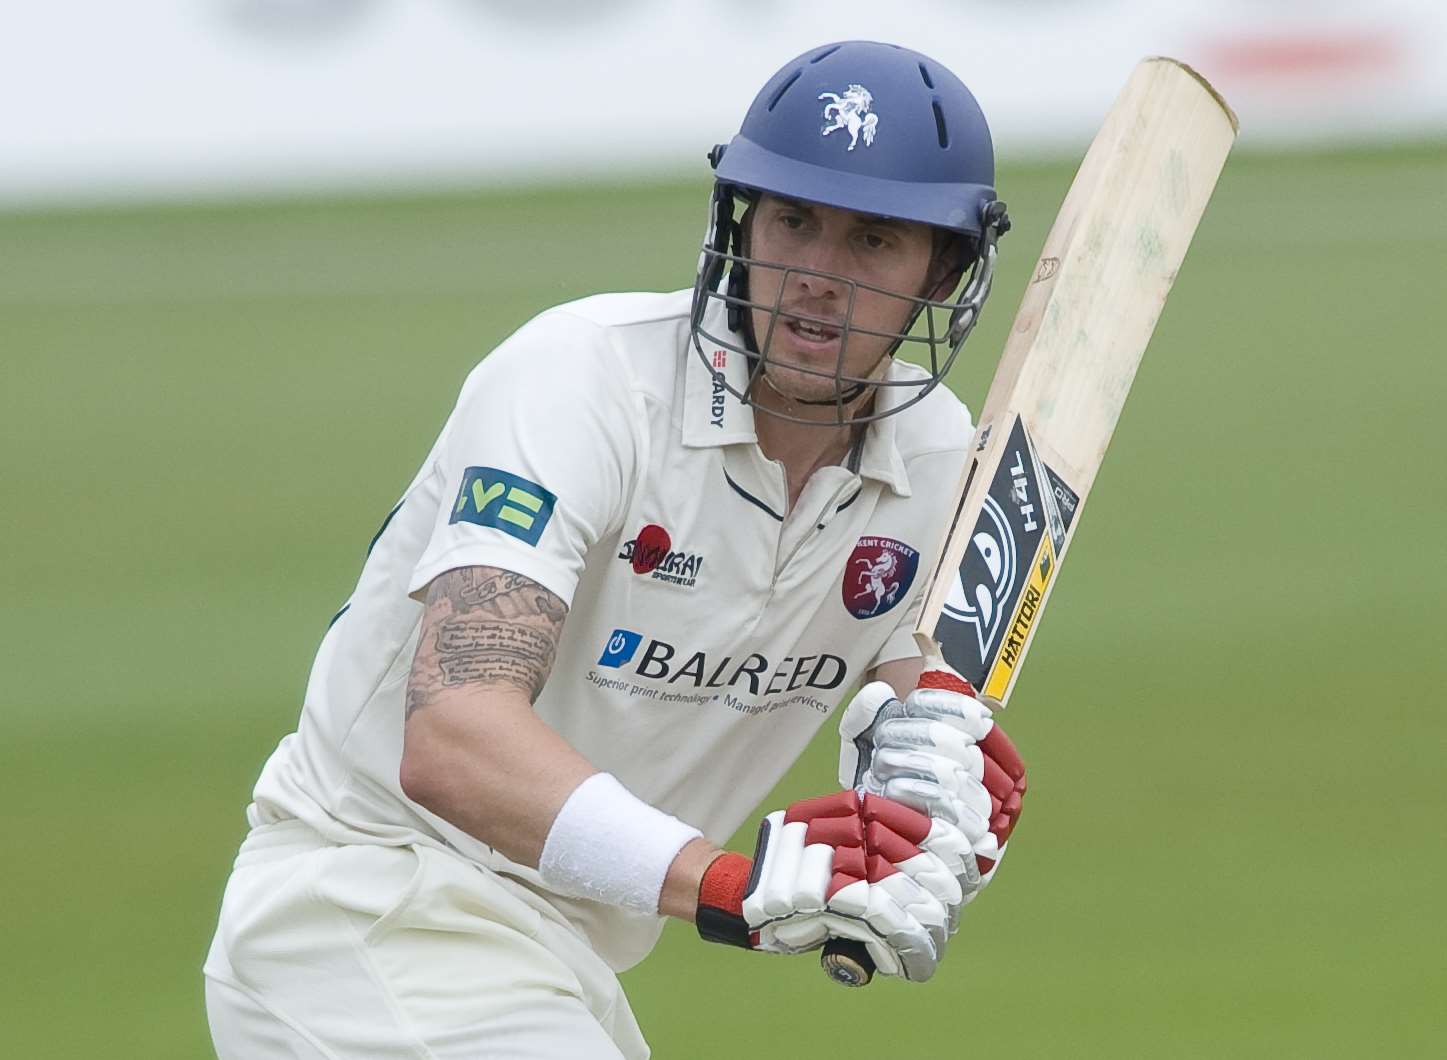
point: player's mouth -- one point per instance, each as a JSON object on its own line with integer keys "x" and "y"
{"x": 812, "y": 335}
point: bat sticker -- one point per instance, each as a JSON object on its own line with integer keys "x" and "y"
{"x": 1012, "y": 555}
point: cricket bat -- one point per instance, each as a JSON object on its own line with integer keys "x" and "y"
{"x": 1084, "y": 322}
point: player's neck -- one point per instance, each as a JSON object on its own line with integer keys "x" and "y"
{"x": 803, "y": 448}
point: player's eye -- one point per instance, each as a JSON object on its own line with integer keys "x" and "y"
{"x": 791, "y": 221}
{"x": 873, "y": 240}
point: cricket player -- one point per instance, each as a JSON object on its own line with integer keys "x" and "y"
{"x": 659, "y": 540}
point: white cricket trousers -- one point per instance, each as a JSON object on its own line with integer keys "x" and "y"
{"x": 377, "y": 952}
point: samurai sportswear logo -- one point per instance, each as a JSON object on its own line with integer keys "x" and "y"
{"x": 698, "y": 674}
{"x": 878, "y": 575}
{"x": 851, "y": 112}
{"x": 503, "y": 501}
{"x": 651, "y": 553}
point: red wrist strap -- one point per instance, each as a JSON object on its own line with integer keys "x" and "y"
{"x": 724, "y": 883}
{"x": 721, "y": 893}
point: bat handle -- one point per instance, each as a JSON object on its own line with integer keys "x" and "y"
{"x": 847, "y": 962}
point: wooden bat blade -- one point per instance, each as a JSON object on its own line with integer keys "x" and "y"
{"x": 1085, "y": 320}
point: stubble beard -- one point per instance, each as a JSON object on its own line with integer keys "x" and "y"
{"x": 794, "y": 387}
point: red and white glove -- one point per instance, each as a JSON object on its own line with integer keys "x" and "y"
{"x": 939, "y": 751}
{"x": 838, "y": 866}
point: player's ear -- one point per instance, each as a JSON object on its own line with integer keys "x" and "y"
{"x": 952, "y": 256}
{"x": 949, "y": 279}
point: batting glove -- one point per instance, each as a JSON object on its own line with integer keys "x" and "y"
{"x": 839, "y": 866}
{"x": 939, "y": 751}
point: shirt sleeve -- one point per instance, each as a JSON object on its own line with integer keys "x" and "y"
{"x": 901, "y": 643}
{"x": 538, "y": 458}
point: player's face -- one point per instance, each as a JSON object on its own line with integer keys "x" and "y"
{"x": 814, "y": 239}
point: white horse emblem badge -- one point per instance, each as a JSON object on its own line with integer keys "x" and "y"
{"x": 851, "y": 111}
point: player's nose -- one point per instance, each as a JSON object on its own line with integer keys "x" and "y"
{"x": 818, "y": 272}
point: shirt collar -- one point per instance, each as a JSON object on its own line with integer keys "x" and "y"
{"x": 880, "y": 457}
{"x": 711, "y": 415}
{"x": 714, "y": 417}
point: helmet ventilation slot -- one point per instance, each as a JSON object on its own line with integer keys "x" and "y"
{"x": 784, "y": 88}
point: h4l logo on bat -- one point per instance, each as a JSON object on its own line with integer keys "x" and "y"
{"x": 503, "y": 501}
{"x": 1007, "y": 567}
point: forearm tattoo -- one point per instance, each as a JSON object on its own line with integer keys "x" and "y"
{"x": 485, "y": 627}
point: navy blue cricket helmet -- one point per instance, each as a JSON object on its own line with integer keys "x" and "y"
{"x": 871, "y": 128}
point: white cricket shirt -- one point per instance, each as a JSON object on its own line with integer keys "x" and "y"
{"x": 708, "y": 635}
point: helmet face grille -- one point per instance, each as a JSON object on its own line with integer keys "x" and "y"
{"x": 934, "y": 330}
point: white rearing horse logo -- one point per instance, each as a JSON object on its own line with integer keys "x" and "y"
{"x": 851, "y": 111}
{"x": 878, "y": 579}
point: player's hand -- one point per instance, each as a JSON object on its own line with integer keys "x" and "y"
{"x": 839, "y": 866}
{"x": 939, "y": 751}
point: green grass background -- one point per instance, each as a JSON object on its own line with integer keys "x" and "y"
{"x": 1234, "y": 842}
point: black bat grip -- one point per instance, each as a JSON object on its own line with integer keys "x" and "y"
{"x": 847, "y": 962}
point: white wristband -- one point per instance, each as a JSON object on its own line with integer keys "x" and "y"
{"x": 609, "y": 845}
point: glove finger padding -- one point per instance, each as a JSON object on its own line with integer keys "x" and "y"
{"x": 1009, "y": 785}
{"x": 975, "y": 775}
{"x": 899, "y": 900}
{"x": 793, "y": 876}
{"x": 954, "y": 783}
{"x": 774, "y": 902}
{"x": 935, "y": 737}
{"x": 955, "y": 851}
{"x": 840, "y": 866}
{"x": 884, "y": 916}
{"x": 974, "y": 716}
{"x": 956, "y": 709}
{"x": 931, "y": 799}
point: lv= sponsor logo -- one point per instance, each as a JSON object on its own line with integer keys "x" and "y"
{"x": 499, "y": 499}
